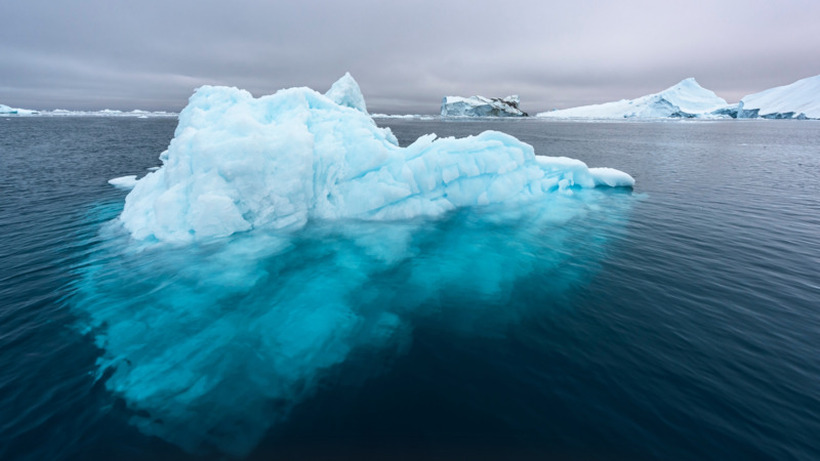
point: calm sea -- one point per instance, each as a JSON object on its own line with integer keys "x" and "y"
{"x": 680, "y": 320}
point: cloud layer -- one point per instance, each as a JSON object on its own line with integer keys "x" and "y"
{"x": 150, "y": 55}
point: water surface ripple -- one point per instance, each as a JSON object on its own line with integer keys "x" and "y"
{"x": 684, "y": 326}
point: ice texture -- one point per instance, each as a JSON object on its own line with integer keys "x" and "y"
{"x": 6, "y": 110}
{"x": 687, "y": 99}
{"x": 238, "y": 163}
{"x": 480, "y": 106}
{"x": 800, "y": 99}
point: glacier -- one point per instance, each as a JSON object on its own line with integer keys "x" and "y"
{"x": 238, "y": 163}
{"x": 288, "y": 243}
{"x": 480, "y": 106}
{"x": 799, "y": 100}
{"x": 687, "y": 99}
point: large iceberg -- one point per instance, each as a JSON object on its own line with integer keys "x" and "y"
{"x": 800, "y": 99}
{"x": 238, "y": 163}
{"x": 480, "y": 106}
{"x": 687, "y": 99}
{"x": 343, "y": 243}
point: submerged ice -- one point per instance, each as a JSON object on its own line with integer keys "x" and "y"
{"x": 336, "y": 244}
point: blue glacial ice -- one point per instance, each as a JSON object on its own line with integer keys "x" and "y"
{"x": 287, "y": 238}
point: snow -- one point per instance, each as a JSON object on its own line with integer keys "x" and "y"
{"x": 480, "y": 106}
{"x": 238, "y": 163}
{"x": 124, "y": 182}
{"x": 687, "y": 99}
{"x": 800, "y": 99}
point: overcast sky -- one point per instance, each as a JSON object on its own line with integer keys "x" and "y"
{"x": 151, "y": 54}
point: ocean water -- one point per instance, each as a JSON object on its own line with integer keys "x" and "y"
{"x": 680, "y": 320}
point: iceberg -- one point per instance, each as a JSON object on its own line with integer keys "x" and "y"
{"x": 479, "y": 106}
{"x": 238, "y": 163}
{"x": 287, "y": 242}
{"x": 799, "y": 100}
{"x": 6, "y": 110}
{"x": 687, "y": 99}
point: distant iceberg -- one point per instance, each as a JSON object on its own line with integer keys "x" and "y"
{"x": 799, "y": 100}
{"x": 479, "y": 106}
{"x": 6, "y": 110}
{"x": 687, "y": 99}
{"x": 238, "y": 163}
{"x": 405, "y": 116}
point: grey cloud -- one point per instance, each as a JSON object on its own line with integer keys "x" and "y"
{"x": 406, "y": 56}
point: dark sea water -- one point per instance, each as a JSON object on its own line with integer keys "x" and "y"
{"x": 680, "y": 320}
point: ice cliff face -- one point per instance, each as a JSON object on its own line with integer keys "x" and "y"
{"x": 238, "y": 163}
{"x": 687, "y": 99}
{"x": 479, "y": 106}
{"x": 800, "y": 100}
